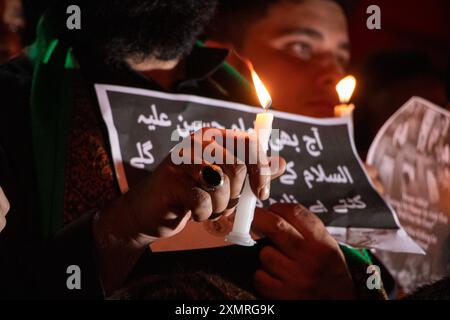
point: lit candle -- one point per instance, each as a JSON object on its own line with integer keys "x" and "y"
{"x": 345, "y": 89}
{"x": 240, "y": 234}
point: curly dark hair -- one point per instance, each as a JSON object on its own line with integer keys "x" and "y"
{"x": 139, "y": 29}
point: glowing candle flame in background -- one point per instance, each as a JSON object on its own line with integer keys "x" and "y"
{"x": 345, "y": 88}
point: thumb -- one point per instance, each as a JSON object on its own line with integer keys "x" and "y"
{"x": 277, "y": 166}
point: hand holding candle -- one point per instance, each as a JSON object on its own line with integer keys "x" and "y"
{"x": 345, "y": 89}
{"x": 247, "y": 202}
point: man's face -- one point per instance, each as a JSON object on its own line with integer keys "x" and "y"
{"x": 300, "y": 50}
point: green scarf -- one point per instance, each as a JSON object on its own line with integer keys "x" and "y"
{"x": 51, "y": 106}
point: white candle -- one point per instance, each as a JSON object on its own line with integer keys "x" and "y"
{"x": 344, "y": 110}
{"x": 247, "y": 202}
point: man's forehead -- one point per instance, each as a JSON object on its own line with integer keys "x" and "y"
{"x": 321, "y": 15}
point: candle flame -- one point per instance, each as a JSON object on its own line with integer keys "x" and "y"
{"x": 261, "y": 91}
{"x": 345, "y": 88}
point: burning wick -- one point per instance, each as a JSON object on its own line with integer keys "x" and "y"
{"x": 345, "y": 89}
{"x": 245, "y": 210}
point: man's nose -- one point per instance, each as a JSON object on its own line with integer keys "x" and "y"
{"x": 329, "y": 71}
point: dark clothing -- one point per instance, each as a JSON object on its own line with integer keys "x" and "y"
{"x": 31, "y": 266}
{"x": 439, "y": 290}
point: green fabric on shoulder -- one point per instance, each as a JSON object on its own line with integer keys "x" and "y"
{"x": 50, "y": 110}
{"x": 358, "y": 261}
{"x": 356, "y": 255}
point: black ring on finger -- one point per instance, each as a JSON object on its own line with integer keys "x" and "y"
{"x": 211, "y": 177}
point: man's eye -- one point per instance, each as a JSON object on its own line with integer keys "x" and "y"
{"x": 300, "y": 49}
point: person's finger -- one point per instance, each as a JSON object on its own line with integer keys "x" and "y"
{"x": 2, "y": 222}
{"x": 4, "y": 203}
{"x": 237, "y": 174}
{"x": 225, "y": 197}
{"x": 174, "y": 222}
{"x": 267, "y": 286}
{"x": 378, "y": 186}
{"x": 199, "y": 202}
{"x": 371, "y": 170}
{"x": 277, "y": 264}
{"x": 234, "y": 170}
{"x": 304, "y": 221}
{"x": 286, "y": 238}
{"x": 190, "y": 197}
{"x": 245, "y": 149}
{"x": 277, "y": 166}
{"x": 221, "y": 196}
{"x": 213, "y": 142}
